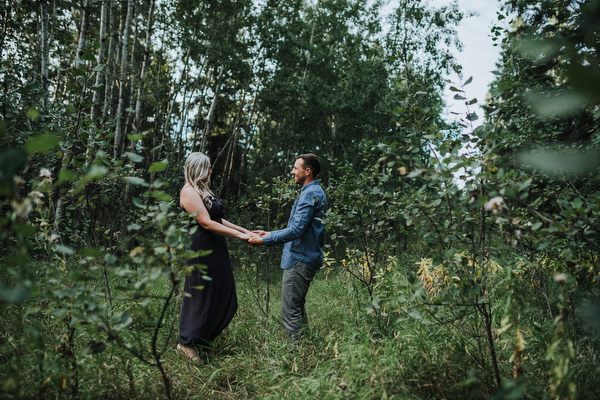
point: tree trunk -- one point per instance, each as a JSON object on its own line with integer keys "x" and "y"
{"x": 138, "y": 105}
{"x": 332, "y": 148}
{"x": 96, "y": 98}
{"x": 487, "y": 315}
{"x": 167, "y": 124}
{"x": 5, "y": 16}
{"x": 45, "y": 51}
{"x": 248, "y": 143}
{"x": 132, "y": 84}
{"x": 213, "y": 108}
{"x": 85, "y": 22}
{"x": 230, "y": 156}
{"x": 110, "y": 61}
{"x": 122, "y": 82}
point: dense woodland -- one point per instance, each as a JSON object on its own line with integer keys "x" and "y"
{"x": 462, "y": 250}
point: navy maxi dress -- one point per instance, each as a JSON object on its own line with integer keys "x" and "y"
{"x": 208, "y": 311}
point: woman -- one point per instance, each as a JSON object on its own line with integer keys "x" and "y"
{"x": 213, "y": 302}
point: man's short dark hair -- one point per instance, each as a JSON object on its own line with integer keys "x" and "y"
{"x": 311, "y": 161}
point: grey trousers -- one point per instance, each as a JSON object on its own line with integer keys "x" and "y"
{"x": 294, "y": 287}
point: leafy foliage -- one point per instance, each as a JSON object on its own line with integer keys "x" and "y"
{"x": 472, "y": 247}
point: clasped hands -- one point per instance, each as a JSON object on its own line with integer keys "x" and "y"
{"x": 255, "y": 238}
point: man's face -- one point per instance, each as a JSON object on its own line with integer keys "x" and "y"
{"x": 300, "y": 174}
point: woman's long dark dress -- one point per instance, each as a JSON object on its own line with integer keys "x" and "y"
{"x": 208, "y": 311}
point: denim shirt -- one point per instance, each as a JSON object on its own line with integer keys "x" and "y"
{"x": 305, "y": 233}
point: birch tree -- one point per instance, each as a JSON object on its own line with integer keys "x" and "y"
{"x": 87, "y": 8}
{"x": 144, "y": 71}
{"x": 122, "y": 82}
{"x": 98, "y": 82}
{"x": 5, "y": 16}
{"x": 45, "y": 49}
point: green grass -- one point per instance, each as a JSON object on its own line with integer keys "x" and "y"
{"x": 343, "y": 355}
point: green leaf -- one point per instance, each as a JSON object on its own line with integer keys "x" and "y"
{"x": 88, "y": 56}
{"x": 60, "y": 312}
{"x": 415, "y": 314}
{"x": 561, "y": 105}
{"x": 510, "y": 193}
{"x": 16, "y": 293}
{"x": 134, "y": 180}
{"x": 159, "y": 194}
{"x": 64, "y": 249}
{"x": 96, "y": 172}
{"x": 12, "y": 162}
{"x": 33, "y": 114}
{"x": 566, "y": 162}
{"x": 472, "y": 117}
{"x": 121, "y": 320}
{"x": 158, "y": 166}
{"x": 93, "y": 347}
{"x": 134, "y": 157}
{"x": 134, "y": 227}
{"x": 90, "y": 252}
{"x": 42, "y": 143}
{"x": 64, "y": 175}
{"x": 136, "y": 202}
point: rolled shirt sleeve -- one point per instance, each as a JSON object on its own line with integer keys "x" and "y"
{"x": 299, "y": 220}
{"x": 303, "y": 236}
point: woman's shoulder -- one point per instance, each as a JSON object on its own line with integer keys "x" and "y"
{"x": 187, "y": 196}
{"x": 185, "y": 191}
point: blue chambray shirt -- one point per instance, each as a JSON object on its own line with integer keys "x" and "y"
{"x": 305, "y": 233}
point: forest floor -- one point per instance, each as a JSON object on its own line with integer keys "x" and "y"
{"x": 347, "y": 353}
{"x": 343, "y": 355}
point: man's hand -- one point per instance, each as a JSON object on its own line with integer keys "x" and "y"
{"x": 255, "y": 240}
{"x": 262, "y": 234}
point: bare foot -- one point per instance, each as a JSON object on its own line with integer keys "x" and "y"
{"x": 190, "y": 352}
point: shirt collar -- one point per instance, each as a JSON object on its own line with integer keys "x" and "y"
{"x": 315, "y": 182}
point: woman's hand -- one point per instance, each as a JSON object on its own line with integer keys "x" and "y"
{"x": 260, "y": 233}
{"x": 243, "y": 236}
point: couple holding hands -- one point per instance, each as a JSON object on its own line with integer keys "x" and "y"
{"x": 209, "y": 305}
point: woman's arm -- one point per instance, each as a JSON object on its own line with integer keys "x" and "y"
{"x": 236, "y": 227}
{"x": 192, "y": 202}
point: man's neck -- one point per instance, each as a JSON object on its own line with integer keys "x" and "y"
{"x": 308, "y": 180}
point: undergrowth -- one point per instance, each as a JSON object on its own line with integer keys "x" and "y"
{"x": 343, "y": 355}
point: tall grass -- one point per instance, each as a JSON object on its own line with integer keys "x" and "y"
{"x": 343, "y": 355}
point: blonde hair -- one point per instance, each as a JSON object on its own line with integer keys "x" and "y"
{"x": 196, "y": 170}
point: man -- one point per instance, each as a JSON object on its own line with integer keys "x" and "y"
{"x": 303, "y": 237}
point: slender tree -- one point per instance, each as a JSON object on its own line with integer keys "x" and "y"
{"x": 44, "y": 50}
{"x": 120, "y": 115}
{"x": 144, "y": 71}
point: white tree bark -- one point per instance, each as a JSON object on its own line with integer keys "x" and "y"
{"x": 144, "y": 72}
{"x": 213, "y": 108}
{"x": 122, "y": 82}
{"x": 5, "y": 16}
{"x": 45, "y": 50}
{"x": 132, "y": 84}
{"x": 85, "y": 22}
{"x": 99, "y": 78}
{"x": 110, "y": 61}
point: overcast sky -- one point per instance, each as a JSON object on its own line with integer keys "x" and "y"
{"x": 479, "y": 56}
